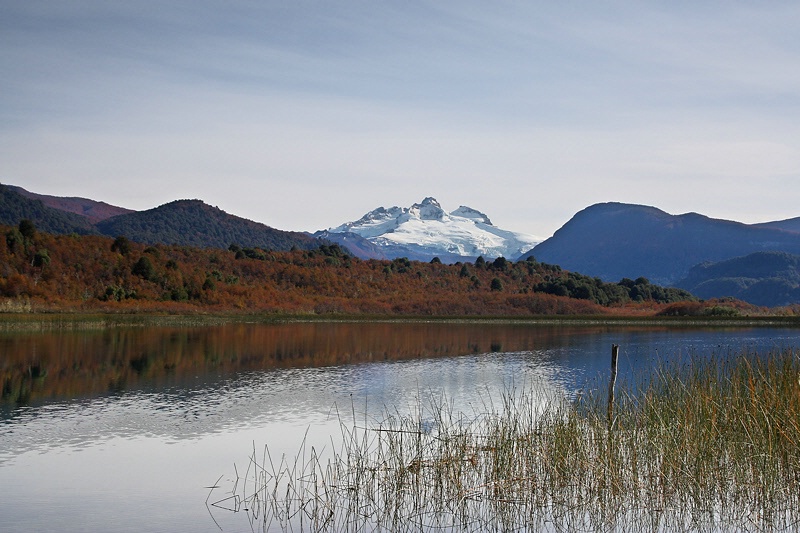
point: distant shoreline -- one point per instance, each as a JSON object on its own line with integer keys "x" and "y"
{"x": 99, "y": 320}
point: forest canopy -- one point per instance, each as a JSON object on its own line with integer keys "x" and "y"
{"x": 94, "y": 272}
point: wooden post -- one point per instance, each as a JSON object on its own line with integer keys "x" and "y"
{"x": 611, "y": 383}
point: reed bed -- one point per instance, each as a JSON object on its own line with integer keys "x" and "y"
{"x": 710, "y": 445}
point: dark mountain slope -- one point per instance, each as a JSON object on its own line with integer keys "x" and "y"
{"x": 15, "y": 207}
{"x": 763, "y": 278}
{"x": 94, "y": 211}
{"x": 194, "y": 223}
{"x": 615, "y": 240}
{"x": 792, "y": 224}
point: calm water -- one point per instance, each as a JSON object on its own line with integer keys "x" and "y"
{"x": 124, "y": 429}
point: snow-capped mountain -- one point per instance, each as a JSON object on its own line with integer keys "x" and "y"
{"x": 425, "y": 230}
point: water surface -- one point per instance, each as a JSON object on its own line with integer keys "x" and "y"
{"x": 123, "y": 429}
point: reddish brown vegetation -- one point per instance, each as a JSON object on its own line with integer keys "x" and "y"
{"x": 69, "y": 363}
{"x": 97, "y": 273}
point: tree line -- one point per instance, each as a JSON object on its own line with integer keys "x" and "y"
{"x": 95, "y": 272}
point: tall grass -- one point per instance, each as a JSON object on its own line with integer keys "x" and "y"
{"x": 713, "y": 445}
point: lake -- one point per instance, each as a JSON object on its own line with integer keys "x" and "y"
{"x": 125, "y": 428}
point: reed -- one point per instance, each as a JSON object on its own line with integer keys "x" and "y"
{"x": 710, "y": 445}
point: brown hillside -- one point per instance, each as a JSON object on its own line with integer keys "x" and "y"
{"x": 71, "y": 272}
{"x": 93, "y": 210}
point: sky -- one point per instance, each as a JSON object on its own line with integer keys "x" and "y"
{"x": 304, "y": 115}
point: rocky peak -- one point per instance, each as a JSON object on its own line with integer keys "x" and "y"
{"x": 429, "y": 209}
{"x": 474, "y": 214}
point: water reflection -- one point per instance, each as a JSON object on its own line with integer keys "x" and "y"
{"x": 295, "y": 397}
{"x": 181, "y": 383}
{"x": 39, "y": 367}
{"x": 123, "y": 428}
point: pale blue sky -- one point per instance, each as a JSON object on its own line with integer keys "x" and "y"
{"x": 304, "y": 115}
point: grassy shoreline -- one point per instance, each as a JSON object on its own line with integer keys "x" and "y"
{"x": 95, "y": 320}
{"x": 711, "y": 446}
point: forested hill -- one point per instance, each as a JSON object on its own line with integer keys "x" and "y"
{"x": 764, "y": 278}
{"x": 72, "y": 272}
{"x": 92, "y": 210}
{"x": 194, "y": 223}
{"x": 15, "y": 207}
{"x": 183, "y": 222}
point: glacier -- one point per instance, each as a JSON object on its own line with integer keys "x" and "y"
{"x": 425, "y": 230}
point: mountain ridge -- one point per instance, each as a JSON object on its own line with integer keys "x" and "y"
{"x": 14, "y": 207}
{"x": 790, "y": 224}
{"x": 93, "y": 210}
{"x": 195, "y": 223}
{"x": 615, "y": 240}
{"x": 182, "y": 222}
{"x": 612, "y": 240}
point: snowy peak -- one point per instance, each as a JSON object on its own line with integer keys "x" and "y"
{"x": 468, "y": 212}
{"x": 379, "y": 215}
{"x": 425, "y": 230}
{"x": 429, "y": 209}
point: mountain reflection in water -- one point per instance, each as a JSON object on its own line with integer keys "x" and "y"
{"x": 123, "y": 429}
{"x": 41, "y": 367}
